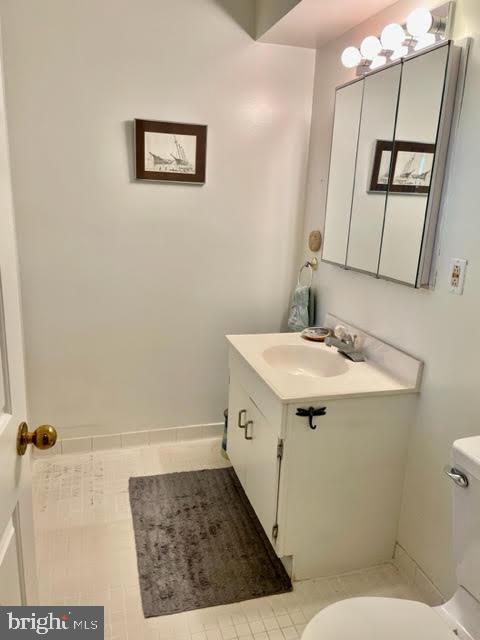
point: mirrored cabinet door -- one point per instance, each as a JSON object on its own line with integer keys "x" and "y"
{"x": 348, "y": 106}
{"x": 419, "y": 109}
{"x": 377, "y": 128}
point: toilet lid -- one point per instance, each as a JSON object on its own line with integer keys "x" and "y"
{"x": 378, "y": 619}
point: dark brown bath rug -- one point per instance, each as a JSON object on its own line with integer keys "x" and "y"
{"x": 199, "y": 543}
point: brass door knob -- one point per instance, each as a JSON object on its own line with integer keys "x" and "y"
{"x": 44, "y": 437}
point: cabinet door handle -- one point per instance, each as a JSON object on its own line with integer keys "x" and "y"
{"x": 247, "y": 437}
{"x": 310, "y": 412}
{"x": 240, "y": 413}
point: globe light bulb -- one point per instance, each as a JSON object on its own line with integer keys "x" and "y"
{"x": 425, "y": 41}
{"x": 419, "y": 22}
{"x": 378, "y": 61}
{"x": 401, "y": 52}
{"x": 351, "y": 57}
{"x": 370, "y": 47}
{"x": 392, "y": 37}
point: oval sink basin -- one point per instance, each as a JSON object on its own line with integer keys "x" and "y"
{"x": 305, "y": 361}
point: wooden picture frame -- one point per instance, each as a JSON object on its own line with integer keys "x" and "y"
{"x": 170, "y": 151}
{"x": 402, "y": 167}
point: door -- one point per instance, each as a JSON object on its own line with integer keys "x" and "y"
{"x": 262, "y": 468}
{"x": 18, "y": 583}
{"x": 341, "y": 179}
{"x": 422, "y": 95}
{"x": 252, "y": 449}
{"x": 238, "y": 408}
{"x": 377, "y": 129}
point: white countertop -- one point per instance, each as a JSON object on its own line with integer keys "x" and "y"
{"x": 360, "y": 378}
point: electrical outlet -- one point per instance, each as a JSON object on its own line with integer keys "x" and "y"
{"x": 457, "y": 275}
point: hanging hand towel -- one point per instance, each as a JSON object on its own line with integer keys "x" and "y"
{"x": 302, "y": 309}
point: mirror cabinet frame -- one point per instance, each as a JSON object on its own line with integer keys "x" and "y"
{"x": 349, "y": 111}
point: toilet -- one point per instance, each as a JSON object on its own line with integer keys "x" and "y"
{"x": 395, "y": 619}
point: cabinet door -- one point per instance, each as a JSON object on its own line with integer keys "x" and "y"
{"x": 343, "y": 484}
{"x": 419, "y": 109}
{"x": 348, "y": 107}
{"x": 238, "y": 407}
{"x": 262, "y": 468}
{"x": 373, "y": 168}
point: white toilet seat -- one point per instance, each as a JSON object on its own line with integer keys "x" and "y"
{"x": 377, "y": 619}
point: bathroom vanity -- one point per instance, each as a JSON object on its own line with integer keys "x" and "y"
{"x": 327, "y": 493}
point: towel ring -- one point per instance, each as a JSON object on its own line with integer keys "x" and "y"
{"x": 310, "y": 264}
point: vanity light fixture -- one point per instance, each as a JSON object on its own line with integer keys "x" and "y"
{"x": 378, "y": 61}
{"x": 393, "y": 36}
{"x": 425, "y": 41}
{"x": 421, "y": 21}
{"x": 351, "y": 57}
{"x": 370, "y": 47}
{"x": 401, "y": 52}
{"x": 423, "y": 28}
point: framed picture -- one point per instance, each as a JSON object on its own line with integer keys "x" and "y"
{"x": 408, "y": 171}
{"x": 170, "y": 151}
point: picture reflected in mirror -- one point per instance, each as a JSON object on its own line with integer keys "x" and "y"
{"x": 410, "y": 171}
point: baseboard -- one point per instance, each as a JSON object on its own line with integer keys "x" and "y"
{"x": 84, "y": 444}
{"x": 413, "y": 574}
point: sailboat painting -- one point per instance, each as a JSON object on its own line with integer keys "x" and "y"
{"x": 384, "y": 170}
{"x": 402, "y": 167}
{"x": 169, "y": 151}
{"x": 413, "y": 168}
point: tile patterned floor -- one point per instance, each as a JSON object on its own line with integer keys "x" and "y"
{"x": 86, "y": 552}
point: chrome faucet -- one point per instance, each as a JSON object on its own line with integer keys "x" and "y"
{"x": 346, "y": 346}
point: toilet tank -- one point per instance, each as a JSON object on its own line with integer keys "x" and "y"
{"x": 466, "y": 515}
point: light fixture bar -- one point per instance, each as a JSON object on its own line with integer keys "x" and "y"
{"x": 422, "y": 29}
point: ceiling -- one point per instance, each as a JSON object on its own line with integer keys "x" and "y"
{"x": 312, "y": 23}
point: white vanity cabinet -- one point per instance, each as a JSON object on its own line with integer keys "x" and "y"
{"x": 328, "y": 498}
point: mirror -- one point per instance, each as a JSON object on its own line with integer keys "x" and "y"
{"x": 348, "y": 106}
{"x": 419, "y": 108}
{"x": 390, "y": 140}
{"x": 379, "y": 110}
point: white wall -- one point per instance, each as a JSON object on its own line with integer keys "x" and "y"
{"x": 129, "y": 287}
{"x": 440, "y": 328}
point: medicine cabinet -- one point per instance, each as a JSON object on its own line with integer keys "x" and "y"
{"x": 389, "y": 147}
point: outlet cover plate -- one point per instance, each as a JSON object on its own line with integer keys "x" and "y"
{"x": 456, "y": 277}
